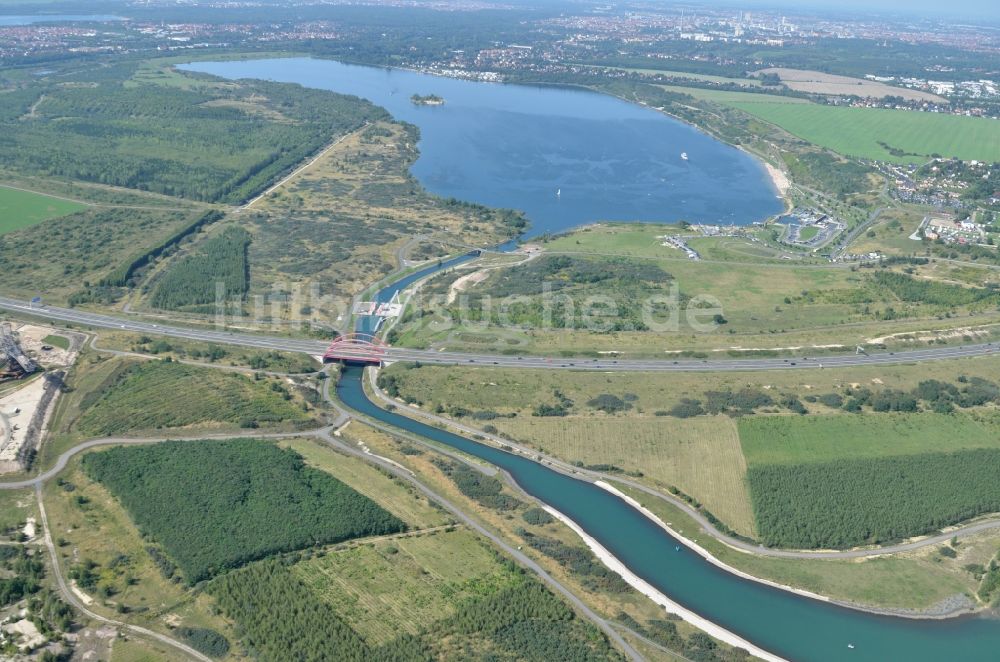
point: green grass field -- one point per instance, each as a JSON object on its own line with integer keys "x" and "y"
{"x": 859, "y": 131}
{"x": 797, "y": 440}
{"x": 808, "y": 232}
{"x": 21, "y": 209}
{"x": 62, "y": 342}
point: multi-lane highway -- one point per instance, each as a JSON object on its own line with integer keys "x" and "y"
{"x": 318, "y": 347}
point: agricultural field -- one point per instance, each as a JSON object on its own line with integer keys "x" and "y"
{"x": 897, "y": 136}
{"x": 797, "y": 440}
{"x": 214, "y": 141}
{"x": 699, "y": 456}
{"x": 158, "y": 395}
{"x": 21, "y": 209}
{"x": 81, "y": 249}
{"x": 825, "y": 481}
{"x": 818, "y": 82}
{"x": 217, "y": 505}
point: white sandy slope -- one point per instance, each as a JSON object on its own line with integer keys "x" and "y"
{"x": 644, "y": 587}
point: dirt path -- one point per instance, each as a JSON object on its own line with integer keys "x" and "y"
{"x": 70, "y": 597}
{"x": 305, "y": 166}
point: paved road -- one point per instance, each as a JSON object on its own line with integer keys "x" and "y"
{"x": 64, "y": 459}
{"x": 317, "y": 347}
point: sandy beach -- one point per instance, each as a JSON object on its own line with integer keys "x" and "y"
{"x": 779, "y": 178}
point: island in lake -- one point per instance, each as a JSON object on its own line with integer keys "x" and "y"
{"x": 427, "y": 100}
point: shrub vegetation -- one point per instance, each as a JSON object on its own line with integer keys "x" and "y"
{"x": 164, "y": 394}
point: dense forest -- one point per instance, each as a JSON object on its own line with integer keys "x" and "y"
{"x": 217, "y": 143}
{"x": 215, "y": 505}
{"x": 217, "y": 272}
{"x": 870, "y": 501}
{"x": 523, "y": 621}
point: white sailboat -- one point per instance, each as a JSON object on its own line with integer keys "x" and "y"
{"x": 684, "y": 156}
{"x": 558, "y": 192}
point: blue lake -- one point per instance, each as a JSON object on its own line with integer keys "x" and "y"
{"x": 564, "y": 157}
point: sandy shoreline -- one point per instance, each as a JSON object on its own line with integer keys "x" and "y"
{"x": 639, "y": 584}
{"x": 780, "y": 179}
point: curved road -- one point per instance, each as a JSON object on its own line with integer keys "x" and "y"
{"x": 317, "y": 347}
{"x": 324, "y": 434}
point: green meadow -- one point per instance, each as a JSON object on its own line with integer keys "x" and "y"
{"x": 22, "y": 209}
{"x": 901, "y": 136}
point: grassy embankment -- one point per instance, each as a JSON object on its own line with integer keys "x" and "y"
{"x": 273, "y": 361}
{"x": 564, "y": 557}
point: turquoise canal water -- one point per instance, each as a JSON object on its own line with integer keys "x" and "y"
{"x": 370, "y": 324}
{"x": 788, "y": 625}
{"x": 516, "y": 146}
{"x": 513, "y": 146}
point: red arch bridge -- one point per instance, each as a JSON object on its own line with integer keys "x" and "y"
{"x": 356, "y": 348}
